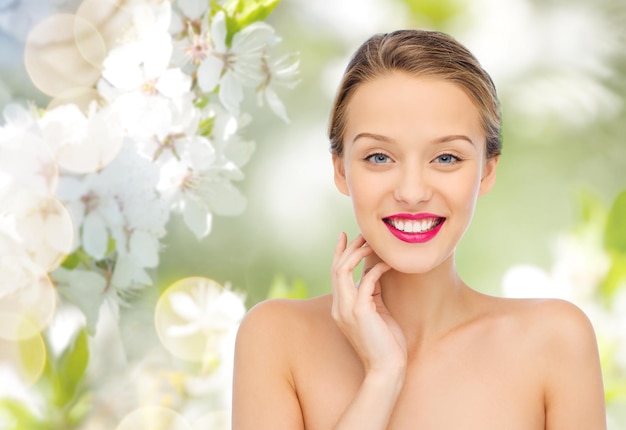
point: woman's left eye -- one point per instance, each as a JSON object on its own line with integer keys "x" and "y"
{"x": 378, "y": 158}
{"x": 447, "y": 159}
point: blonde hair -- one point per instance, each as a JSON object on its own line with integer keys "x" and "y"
{"x": 420, "y": 53}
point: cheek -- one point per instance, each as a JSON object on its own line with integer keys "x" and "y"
{"x": 461, "y": 191}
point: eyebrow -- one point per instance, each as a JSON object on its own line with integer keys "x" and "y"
{"x": 372, "y": 136}
{"x": 442, "y": 139}
{"x": 452, "y": 137}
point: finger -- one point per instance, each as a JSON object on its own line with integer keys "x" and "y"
{"x": 340, "y": 247}
{"x": 346, "y": 260}
{"x": 369, "y": 282}
{"x": 369, "y": 262}
{"x": 347, "y": 257}
{"x": 343, "y": 251}
{"x": 357, "y": 242}
{"x": 343, "y": 283}
{"x": 341, "y": 273}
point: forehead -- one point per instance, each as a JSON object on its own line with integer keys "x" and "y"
{"x": 400, "y": 104}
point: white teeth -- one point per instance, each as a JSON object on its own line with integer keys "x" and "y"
{"x": 417, "y": 226}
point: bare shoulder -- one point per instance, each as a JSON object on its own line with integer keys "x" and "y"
{"x": 280, "y": 317}
{"x": 277, "y": 325}
{"x": 562, "y": 330}
{"x": 561, "y": 340}
{"x": 548, "y": 319}
{"x": 267, "y": 345}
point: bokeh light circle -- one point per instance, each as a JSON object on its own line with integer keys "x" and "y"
{"x": 29, "y": 162}
{"x": 62, "y": 52}
{"x": 112, "y": 18}
{"x": 82, "y": 97}
{"x": 28, "y": 308}
{"x": 153, "y": 418}
{"x": 194, "y": 315}
{"x": 26, "y": 355}
{"x": 84, "y": 142}
{"x": 48, "y": 233}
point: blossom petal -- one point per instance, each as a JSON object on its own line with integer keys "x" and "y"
{"x": 239, "y": 151}
{"x": 173, "y": 83}
{"x": 95, "y": 238}
{"x": 157, "y": 54}
{"x": 197, "y": 219}
{"x": 209, "y": 73}
{"x": 145, "y": 248}
{"x": 226, "y": 199}
{"x": 183, "y": 305}
{"x": 182, "y": 330}
{"x": 83, "y": 288}
{"x": 121, "y": 67}
{"x": 275, "y": 104}
{"x": 193, "y": 9}
{"x": 231, "y": 93}
{"x": 128, "y": 273}
{"x": 198, "y": 152}
{"x": 218, "y": 32}
{"x": 253, "y": 38}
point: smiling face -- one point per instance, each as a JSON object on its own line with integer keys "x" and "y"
{"x": 414, "y": 164}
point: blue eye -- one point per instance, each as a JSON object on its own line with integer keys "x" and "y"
{"x": 447, "y": 159}
{"x": 378, "y": 158}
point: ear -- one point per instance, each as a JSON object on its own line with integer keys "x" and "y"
{"x": 489, "y": 175}
{"x": 340, "y": 175}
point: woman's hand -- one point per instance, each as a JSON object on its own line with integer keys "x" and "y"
{"x": 359, "y": 310}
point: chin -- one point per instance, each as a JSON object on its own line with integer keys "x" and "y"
{"x": 413, "y": 266}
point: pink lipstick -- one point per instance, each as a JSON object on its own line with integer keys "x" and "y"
{"x": 414, "y": 228}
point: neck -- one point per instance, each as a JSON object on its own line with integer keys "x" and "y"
{"x": 428, "y": 305}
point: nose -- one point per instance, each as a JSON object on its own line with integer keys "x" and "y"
{"x": 412, "y": 185}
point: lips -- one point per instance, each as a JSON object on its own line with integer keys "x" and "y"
{"x": 414, "y": 228}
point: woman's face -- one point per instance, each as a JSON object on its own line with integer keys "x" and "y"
{"x": 414, "y": 164}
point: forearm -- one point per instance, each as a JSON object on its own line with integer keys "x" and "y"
{"x": 373, "y": 404}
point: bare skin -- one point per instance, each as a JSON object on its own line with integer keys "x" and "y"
{"x": 412, "y": 346}
{"x": 503, "y": 364}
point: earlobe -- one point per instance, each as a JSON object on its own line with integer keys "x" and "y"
{"x": 340, "y": 175}
{"x": 489, "y": 175}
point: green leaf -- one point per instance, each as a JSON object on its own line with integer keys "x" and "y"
{"x": 281, "y": 289}
{"x": 15, "y": 415}
{"x": 254, "y": 10}
{"x": 73, "y": 260}
{"x": 206, "y": 126}
{"x": 615, "y": 232}
{"x": 71, "y": 366}
{"x": 33, "y": 356}
{"x": 592, "y": 209}
{"x": 615, "y": 277}
{"x": 202, "y": 102}
{"x": 242, "y": 13}
{"x": 439, "y": 12}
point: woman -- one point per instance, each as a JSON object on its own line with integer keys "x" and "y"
{"x": 415, "y": 139}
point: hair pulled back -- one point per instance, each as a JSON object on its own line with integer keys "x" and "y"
{"x": 419, "y": 53}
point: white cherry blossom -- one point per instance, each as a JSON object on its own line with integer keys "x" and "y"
{"x": 279, "y": 72}
{"x": 237, "y": 66}
{"x": 82, "y": 143}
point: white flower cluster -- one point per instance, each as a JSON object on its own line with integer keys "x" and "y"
{"x": 86, "y": 194}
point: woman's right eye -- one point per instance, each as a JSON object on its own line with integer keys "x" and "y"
{"x": 378, "y": 158}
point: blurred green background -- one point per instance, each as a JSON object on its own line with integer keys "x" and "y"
{"x": 560, "y": 68}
